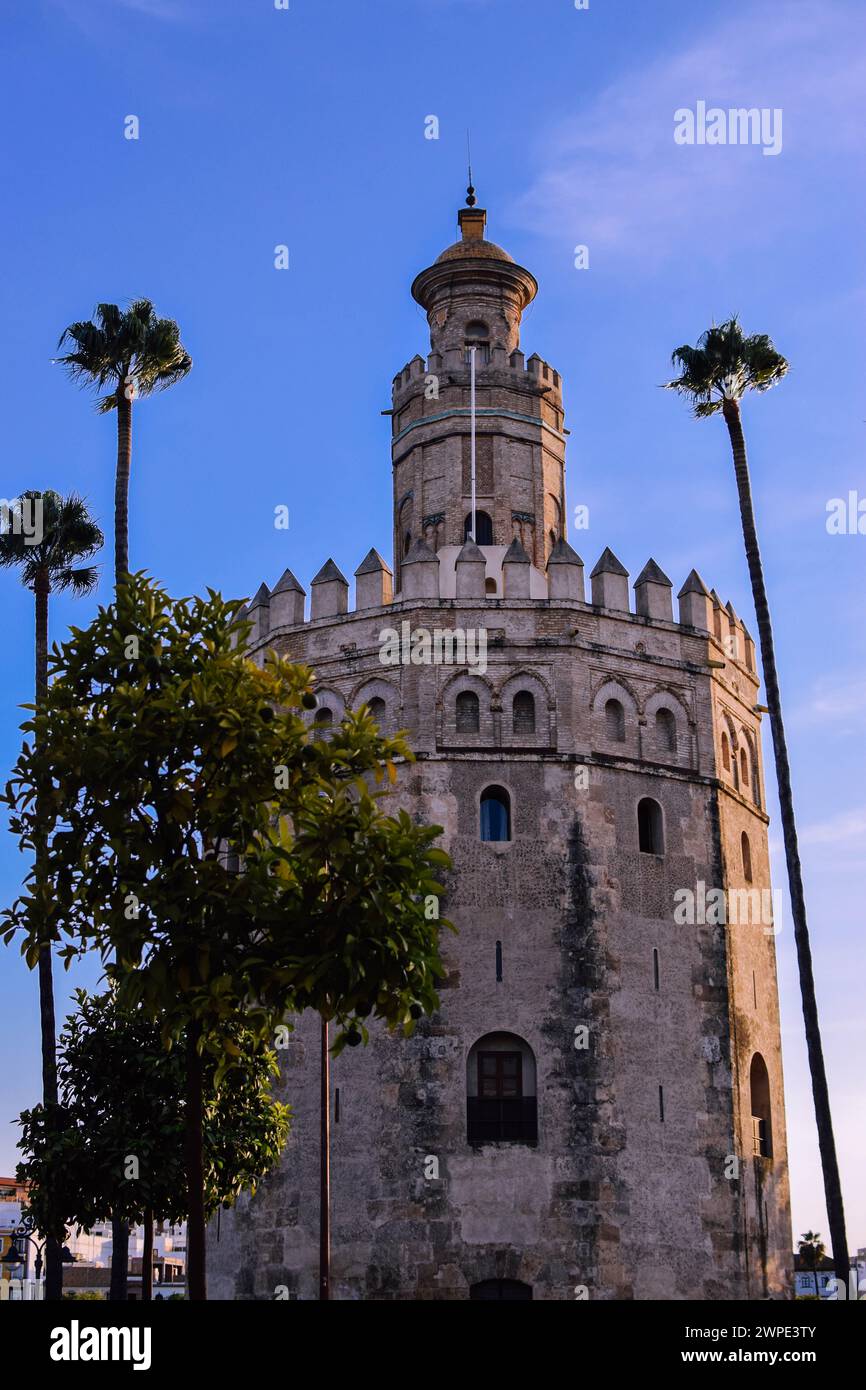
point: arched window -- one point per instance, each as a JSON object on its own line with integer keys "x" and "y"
{"x": 744, "y": 771}
{"x": 477, "y": 336}
{"x": 322, "y": 721}
{"x": 378, "y": 709}
{"x": 483, "y": 528}
{"x": 407, "y": 542}
{"x": 490, "y": 587}
{"x": 759, "y": 1089}
{"x": 726, "y": 753}
{"x": 467, "y": 712}
{"x": 666, "y": 731}
{"x": 500, "y": 1291}
{"x": 614, "y": 721}
{"x": 501, "y": 1104}
{"x": 523, "y": 713}
{"x": 495, "y": 814}
{"x": 650, "y": 830}
{"x": 746, "y": 851}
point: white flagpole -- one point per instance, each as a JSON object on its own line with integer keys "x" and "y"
{"x": 472, "y": 352}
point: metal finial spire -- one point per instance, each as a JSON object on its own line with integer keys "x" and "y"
{"x": 470, "y": 191}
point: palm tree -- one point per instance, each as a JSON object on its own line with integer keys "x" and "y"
{"x": 51, "y": 559}
{"x": 811, "y": 1250}
{"x": 715, "y": 376}
{"x": 134, "y": 353}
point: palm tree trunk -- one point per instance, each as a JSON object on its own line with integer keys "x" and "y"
{"x": 47, "y": 1022}
{"x": 147, "y": 1258}
{"x": 325, "y": 1166}
{"x": 119, "y": 1229}
{"x": 196, "y": 1280}
{"x": 121, "y": 487}
{"x": 820, "y": 1094}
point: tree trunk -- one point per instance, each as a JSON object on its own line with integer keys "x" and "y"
{"x": 121, "y": 487}
{"x": 196, "y": 1281}
{"x": 120, "y": 1230}
{"x": 147, "y": 1259}
{"x": 119, "y": 1288}
{"x": 47, "y": 1022}
{"x": 826, "y": 1142}
{"x": 325, "y": 1169}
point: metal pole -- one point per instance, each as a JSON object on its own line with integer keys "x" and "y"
{"x": 325, "y": 1172}
{"x": 472, "y": 352}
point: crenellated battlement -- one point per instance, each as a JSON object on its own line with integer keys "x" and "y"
{"x": 502, "y": 369}
{"x": 469, "y": 574}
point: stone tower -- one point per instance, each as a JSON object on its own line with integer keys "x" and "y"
{"x": 597, "y": 1109}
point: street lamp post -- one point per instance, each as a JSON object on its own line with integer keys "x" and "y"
{"x": 24, "y": 1232}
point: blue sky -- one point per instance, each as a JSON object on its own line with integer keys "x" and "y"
{"x": 305, "y": 127}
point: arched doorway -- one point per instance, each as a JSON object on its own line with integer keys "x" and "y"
{"x": 500, "y": 1291}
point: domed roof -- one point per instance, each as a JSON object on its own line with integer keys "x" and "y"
{"x": 462, "y": 250}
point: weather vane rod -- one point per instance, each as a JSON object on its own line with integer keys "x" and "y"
{"x": 470, "y": 192}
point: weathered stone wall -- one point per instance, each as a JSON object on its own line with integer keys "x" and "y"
{"x": 612, "y": 1198}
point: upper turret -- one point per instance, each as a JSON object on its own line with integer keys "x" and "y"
{"x": 474, "y": 295}
{"x": 474, "y": 292}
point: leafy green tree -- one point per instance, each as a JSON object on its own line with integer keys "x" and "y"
{"x": 714, "y": 377}
{"x": 161, "y": 755}
{"x": 51, "y": 555}
{"x": 120, "y": 1149}
{"x": 811, "y": 1250}
{"x": 133, "y": 353}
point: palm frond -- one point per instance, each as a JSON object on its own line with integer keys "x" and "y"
{"x": 118, "y": 342}
{"x": 724, "y": 365}
{"x": 79, "y": 581}
{"x": 64, "y": 534}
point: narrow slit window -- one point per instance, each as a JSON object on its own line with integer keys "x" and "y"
{"x": 656, "y": 977}
{"x": 746, "y": 851}
{"x": 662, "y": 1104}
{"x": 499, "y": 962}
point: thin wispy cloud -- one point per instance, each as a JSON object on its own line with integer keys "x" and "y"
{"x": 845, "y": 828}
{"x": 834, "y": 699}
{"x": 152, "y": 9}
{"x": 613, "y": 177}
